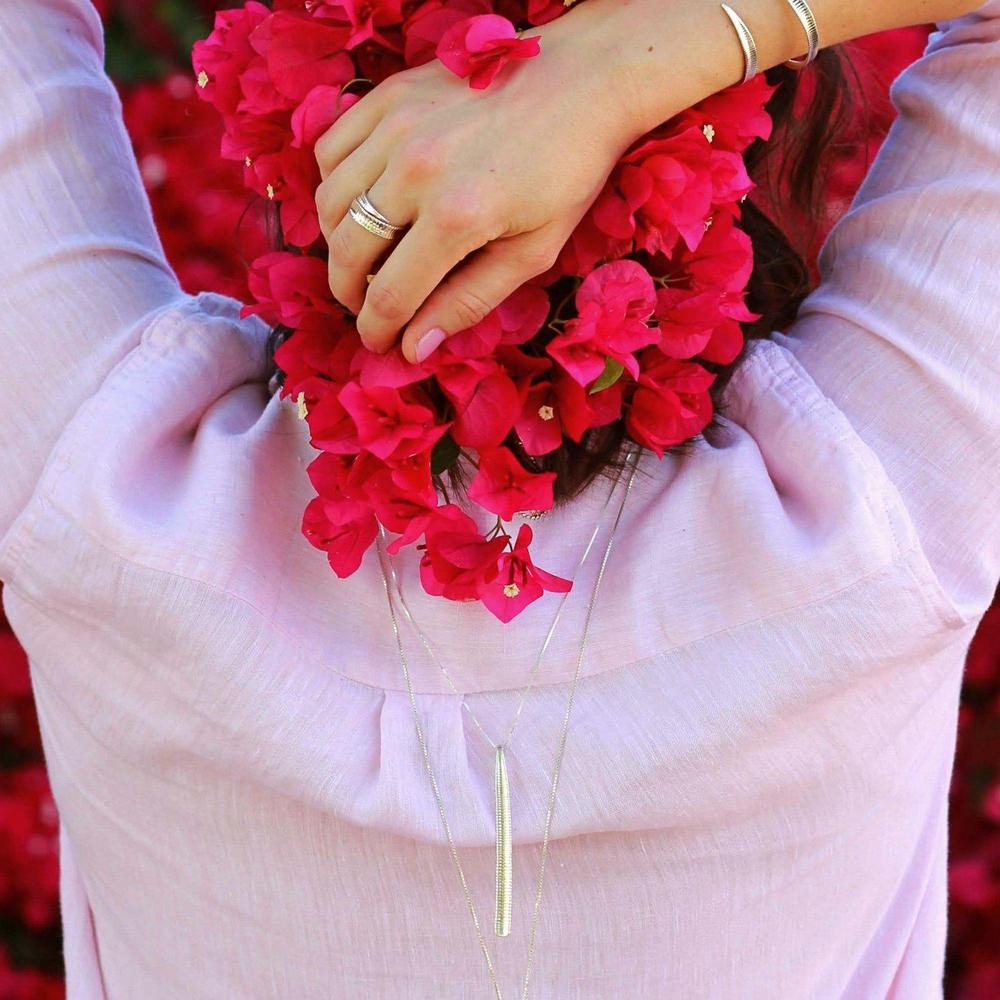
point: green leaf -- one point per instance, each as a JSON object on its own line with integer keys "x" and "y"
{"x": 444, "y": 454}
{"x": 612, "y": 373}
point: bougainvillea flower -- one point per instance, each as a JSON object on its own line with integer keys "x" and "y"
{"x": 344, "y": 529}
{"x": 340, "y": 524}
{"x": 428, "y": 21}
{"x": 331, "y": 427}
{"x": 388, "y": 369}
{"x": 220, "y": 59}
{"x": 490, "y": 412}
{"x": 737, "y": 115}
{"x": 661, "y": 189}
{"x": 363, "y": 19}
{"x": 321, "y": 345}
{"x": 502, "y": 485}
{"x": 579, "y": 410}
{"x": 613, "y": 303}
{"x": 287, "y": 286}
{"x": 671, "y": 404}
{"x": 389, "y": 426}
{"x": 518, "y": 581}
{"x": 539, "y": 425}
{"x": 318, "y": 110}
{"x": 303, "y": 52}
{"x": 723, "y": 259}
{"x": 601, "y": 336}
{"x": 687, "y": 319}
{"x": 399, "y": 494}
{"x": 479, "y": 46}
{"x": 457, "y": 560}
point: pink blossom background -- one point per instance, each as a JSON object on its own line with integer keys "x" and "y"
{"x": 209, "y": 229}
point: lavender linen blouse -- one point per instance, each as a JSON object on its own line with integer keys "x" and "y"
{"x": 753, "y": 801}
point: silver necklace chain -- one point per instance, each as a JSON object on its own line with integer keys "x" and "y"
{"x": 541, "y": 653}
{"x": 382, "y": 556}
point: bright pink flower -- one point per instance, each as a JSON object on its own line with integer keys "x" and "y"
{"x": 671, "y": 403}
{"x": 518, "y": 581}
{"x": 539, "y": 425}
{"x": 502, "y": 485}
{"x": 723, "y": 259}
{"x": 730, "y": 180}
{"x": 390, "y": 369}
{"x": 320, "y": 345}
{"x": 363, "y": 18}
{"x": 613, "y": 303}
{"x": 389, "y": 426}
{"x": 457, "y": 560}
{"x": 579, "y": 410}
{"x": 257, "y": 138}
{"x": 736, "y": 114}
{"x": 331, "y": 426}
{"x": 303, "y": 52}
{"x": 587, "y": 245}
{"x": 489, "y": 413}
{"x": 428, "y": 21}
{"x": 319, "y": 109}
{"x": 225, "y": 54}
{"x": 458, "y": 376}
{"x": 687, "y": 319}
{"x": 661, "y": 189}
{"x": 340, "y": 524}
{"x": 400, "y": 493}
{"x": 289, "y": 286}
{"x": 515, "y": 320}
{"x": 478, "y": 46}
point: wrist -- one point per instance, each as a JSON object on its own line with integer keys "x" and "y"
{"x": 652, "y": 59}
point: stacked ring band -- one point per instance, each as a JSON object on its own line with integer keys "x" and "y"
{"x": 366, "y": 215}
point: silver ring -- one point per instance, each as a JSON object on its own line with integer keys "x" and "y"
{"x": 747, "y": 43}
{"x": 370, "y": 222}
{"x": 808, "y": 20}
{"x": 365, "y": 202}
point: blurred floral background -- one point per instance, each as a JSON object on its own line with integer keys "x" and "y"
{"x": 209, "y": 228}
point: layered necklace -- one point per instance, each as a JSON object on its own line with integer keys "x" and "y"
{"x": 501, "y": 787}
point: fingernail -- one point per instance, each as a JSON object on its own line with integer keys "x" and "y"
{"x": 428, "y": 342}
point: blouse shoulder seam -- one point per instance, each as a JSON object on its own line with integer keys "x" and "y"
{"x": 182, "y": 304}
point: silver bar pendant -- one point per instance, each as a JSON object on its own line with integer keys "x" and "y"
{"x": 502, "y": 927}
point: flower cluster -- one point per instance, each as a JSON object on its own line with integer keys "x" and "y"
{"x": 477, "y": 47}
{"x": 29, "y": 834}
{"x": 648, "y": 289}
{"x": 171, "y": 133}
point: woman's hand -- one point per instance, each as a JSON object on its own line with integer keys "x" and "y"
{"x": 491, "y": 180}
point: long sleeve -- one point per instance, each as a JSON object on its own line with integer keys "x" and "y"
{"x": 903, "y": 332}
{"x": 82, "y": 270}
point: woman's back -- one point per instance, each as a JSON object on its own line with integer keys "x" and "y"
{"x": 753, "y": 799}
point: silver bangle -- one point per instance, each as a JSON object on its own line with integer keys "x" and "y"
{"x": 747, "y": 43}
{"x": 808, "y": 20}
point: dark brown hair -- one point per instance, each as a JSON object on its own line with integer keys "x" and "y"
{"x": 790, "y": 171}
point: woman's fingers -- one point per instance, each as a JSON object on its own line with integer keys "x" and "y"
{"x": 353, "y": 250}
{"x": 475, "y": 289}
{"x": 347, "y": 133}
{"x": 418, "y": 262}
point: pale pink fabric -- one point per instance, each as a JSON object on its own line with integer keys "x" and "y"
{"x": 754, "y": 797}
